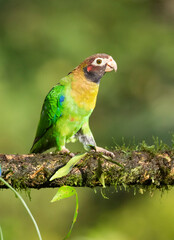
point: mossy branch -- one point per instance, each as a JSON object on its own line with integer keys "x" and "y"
{"x": 140, "y": 168}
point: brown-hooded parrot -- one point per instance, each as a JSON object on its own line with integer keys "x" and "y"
{"x": 67, "y": 107}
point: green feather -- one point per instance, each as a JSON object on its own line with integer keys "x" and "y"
{"x": 51, "y": 111}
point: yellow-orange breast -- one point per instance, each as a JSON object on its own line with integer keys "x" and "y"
{"x": 84, "y": 92}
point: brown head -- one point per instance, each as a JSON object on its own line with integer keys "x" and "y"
{"x": 95, "y": 66}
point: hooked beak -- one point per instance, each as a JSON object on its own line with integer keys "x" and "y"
{"x": 111, "y": 65}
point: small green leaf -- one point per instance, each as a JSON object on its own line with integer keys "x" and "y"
{"x": 102, "y": 180}
{"x": 68, "y": 167}
{"x": 65, "y": 192}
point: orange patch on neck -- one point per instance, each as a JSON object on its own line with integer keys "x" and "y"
{"x": 72, "y": 119}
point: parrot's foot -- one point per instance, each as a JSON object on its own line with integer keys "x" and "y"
{"x": 104, "y": 151}
{"x": 66, "y": 151}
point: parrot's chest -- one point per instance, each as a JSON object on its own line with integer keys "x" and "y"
{"x": 80, "y": 100}
{"x": 84, "y": 94}
{"x": 72, "y": 120}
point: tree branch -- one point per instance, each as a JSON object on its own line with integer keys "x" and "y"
{"x": 140, "y": 168}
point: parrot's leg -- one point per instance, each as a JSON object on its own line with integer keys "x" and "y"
{"x": 61, "y": 147}
{"x": 104, "y": 151}
{"x": 86, "y": 138}
{"x": 65, "y": 150}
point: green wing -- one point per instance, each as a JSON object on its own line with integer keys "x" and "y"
{"x": 51, "y": 111}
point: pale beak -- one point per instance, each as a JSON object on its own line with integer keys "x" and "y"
{"x": 111, "y": 65}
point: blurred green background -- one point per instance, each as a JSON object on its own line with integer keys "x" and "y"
{"x": 40, "y": 42}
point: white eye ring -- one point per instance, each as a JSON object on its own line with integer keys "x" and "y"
{"x": 99, "y": 62}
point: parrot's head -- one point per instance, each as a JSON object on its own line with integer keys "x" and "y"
{"x": 95, "y": 66}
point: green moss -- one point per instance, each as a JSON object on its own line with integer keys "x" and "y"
{"x": 74, "y": 180}
{"x": 19, "y": 185}
{"x": 157, "y": 146}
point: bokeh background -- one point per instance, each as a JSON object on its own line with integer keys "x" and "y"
{"x": 40, "y": 42}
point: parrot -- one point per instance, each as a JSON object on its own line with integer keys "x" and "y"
{"x": 68, "y": 105}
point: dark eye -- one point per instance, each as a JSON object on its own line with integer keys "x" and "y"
{"x": 98, "y": 61}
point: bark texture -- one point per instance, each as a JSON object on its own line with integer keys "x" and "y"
{"x": 139, "y": 168}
